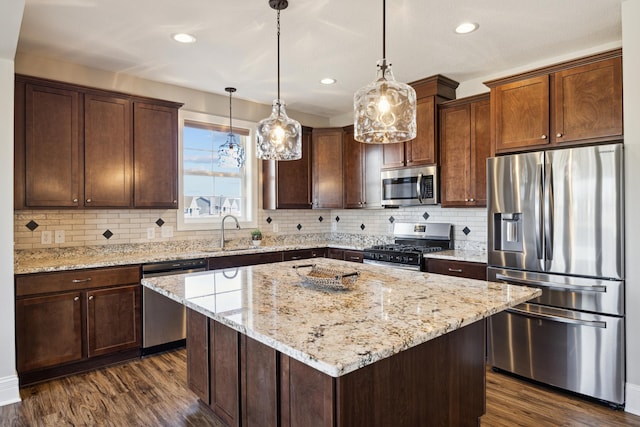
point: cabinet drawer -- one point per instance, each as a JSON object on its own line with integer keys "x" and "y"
{"x": 353, "y": 256}
{"x": 303, "y": 254}
{"x": 231, "y": 261}
{"x": 41, "y": 283}
{"x": 469, "y": 270}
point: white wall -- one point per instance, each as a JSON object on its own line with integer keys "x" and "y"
{"x": 631, "y": 70}
{"x": 10, "y": 18}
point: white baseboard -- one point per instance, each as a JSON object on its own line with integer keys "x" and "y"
{"x": 9, "y": 390}
{"x": 632, "y": 400}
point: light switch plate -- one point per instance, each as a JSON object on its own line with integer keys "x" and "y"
{"x": 59, "y": 236}
{"x": 45, "y": 238}
{"x": 166, "y": 231}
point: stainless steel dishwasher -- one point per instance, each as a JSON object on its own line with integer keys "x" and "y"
{"x": 164, "y": 325}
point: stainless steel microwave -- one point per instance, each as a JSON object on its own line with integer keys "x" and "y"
{"x": 410, "y": 186}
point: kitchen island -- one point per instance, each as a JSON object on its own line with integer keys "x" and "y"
{"x": 399, "y": 348}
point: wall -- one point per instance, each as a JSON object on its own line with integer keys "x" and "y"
{"x": 10, "y": 18}
{"x": 631, "y": 70}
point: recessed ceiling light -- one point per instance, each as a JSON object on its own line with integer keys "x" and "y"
{"x": 183, "y": 38}
{"x": 328, "y": 81}
{"x": 466, "y": 27}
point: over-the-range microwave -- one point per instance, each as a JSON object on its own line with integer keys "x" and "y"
{"x": 410, "y": 186}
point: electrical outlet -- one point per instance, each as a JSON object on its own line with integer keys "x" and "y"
{"x": 166, "y": 231}
{"x": 151, "y": 233}
{"x": 45, "y": 238}
{"x": 59, "y": 236}
{"x": 390, "y": 228}
{"x": 334, "y": 226}
{"x": 275, "y": 227}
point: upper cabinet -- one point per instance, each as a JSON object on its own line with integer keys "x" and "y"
{"x": 566, "y": 104}
{"x": 465, "y": 145}
{"x": 423, "y": 150}
{"x": 287, "y": 185}
{"x": 362, "y": 162}
{"x": 78, "y": 147}
{"x": 327, "y": 157}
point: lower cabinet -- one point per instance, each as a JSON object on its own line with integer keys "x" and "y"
{"x": 469, "y": 270}
{"x": 71, "y": 321}
{"x": 243, "y": 260}
{"x": 303, "y": 254}
{"x": 345, "y": 254}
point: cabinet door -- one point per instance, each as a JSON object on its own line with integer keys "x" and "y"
{"x": 353, "y": 171}
{"x": 353, "y": 256}
{"x": 480, "y": 150}
{"x": 52, "y": 147}
{"x": 287, "y": 185}
{"x": 423, "y": 149}
{"x": 259, "y": 373}
{"x": 48, "y": 330}
{"x": 113, "y": 319}
{"x": 155, "y": 156}
{"x": 469, "y": 270}
{"x": 107, "y": 151}
{"x": 334, "y": 253}
{"x": 327, "y": 168}
{"x": 455, "y": 156}
{"x": 198, "y": 354}
{"x": 587, "y": 102}
{"x": 224, "y": 371}
{"x": 521, "y": 118}
{"x": 393, "y": 155}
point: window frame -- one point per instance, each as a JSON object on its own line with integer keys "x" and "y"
{"x": 251, "y": 183}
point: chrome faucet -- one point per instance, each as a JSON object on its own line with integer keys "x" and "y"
{"x": 222, "y": 227}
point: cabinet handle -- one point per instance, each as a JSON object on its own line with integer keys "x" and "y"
{"x": 293, "y": 258}
{"x": 543, "y": 137}
{"x": 558, "y": 135}
{"x": 90, "y": 297}
{"x": 354, "y": 258}
{"x": 76, "y": 298}
{"x": 455, "y": 270}
{"x": 88, "y": 279}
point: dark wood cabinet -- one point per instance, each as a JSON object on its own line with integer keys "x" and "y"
{"x": 198, "y": 354}
{"x": 79, "y": 147}
{"x": 465, "y": 145}
{"x": 571, "y": 103}
{"x": 362, "y": 164}
{"x": 51, "y": 149}
{"x": 303, "y": 254}
{"x": 155, "y": 156}
{"x": 423, "y": 150}
{"x": 231, "y": 261}
{"x": 469, "y": 270}
{"x": 345, "y": 254}
{"x": 108, "y": 151}
{"x": 259, "y": 383}
{"x": 67, "y": 322}
{"x": 287, "y": 185}
{"x": 327, "y": 169}
{"x": 224, "y": 371}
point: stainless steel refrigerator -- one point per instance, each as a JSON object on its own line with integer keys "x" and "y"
{"x": 556, "y": 222}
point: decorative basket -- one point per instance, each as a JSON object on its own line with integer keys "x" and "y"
{"x": 327, "y": 278}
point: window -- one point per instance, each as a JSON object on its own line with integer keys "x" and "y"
{"x": 212, "y": 187}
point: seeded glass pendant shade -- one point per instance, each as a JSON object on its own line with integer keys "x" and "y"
{"x": 231, "y": 153}
{"x": 279, "y": 137}
{"x": 385, "y": 110}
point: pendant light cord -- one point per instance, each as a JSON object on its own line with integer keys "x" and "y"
{"x": 278, "y": 58}
{"x": 384, "y": 30}
{"x": 230, "y": 120}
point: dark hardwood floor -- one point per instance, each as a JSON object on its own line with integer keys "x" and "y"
{"x": 153, "y": 392}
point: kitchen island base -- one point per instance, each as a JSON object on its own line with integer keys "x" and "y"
{"x": 247, "y": 383}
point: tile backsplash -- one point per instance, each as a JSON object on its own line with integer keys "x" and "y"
{"x": 110, "y": 227}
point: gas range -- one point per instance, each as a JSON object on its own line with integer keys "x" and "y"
{"x": 412, "y": 241}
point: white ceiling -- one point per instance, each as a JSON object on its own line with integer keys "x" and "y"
{"x": 340, "y": 38}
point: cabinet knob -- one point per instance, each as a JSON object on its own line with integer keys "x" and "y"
{"x": 75, "y": 200}
{"x": 76, "y": 298}
{"x": 88, "y": 200}
{"x": 558, "y": 135}
{"x": 90, "y": 297}
{"x": 472, "y": 200}
{"x": 175, "y": 202}
{"x": 543, "y": 137}
{"x": 466, "y": 200}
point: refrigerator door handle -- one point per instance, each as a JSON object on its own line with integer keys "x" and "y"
{"x": 554, "y": 285}
{"x": 553, "y": 318}
{"x": 538, "y": 211}
{"x": 548, "y": 212}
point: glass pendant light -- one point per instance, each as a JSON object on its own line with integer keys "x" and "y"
{"x": 385, "y": 110}
{"x": 279, "y": 137}
{"x": 231, "y": 153}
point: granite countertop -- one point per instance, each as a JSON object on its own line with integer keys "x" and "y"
{"x": 336, "y": 332}
{"x": 75, "y": 258}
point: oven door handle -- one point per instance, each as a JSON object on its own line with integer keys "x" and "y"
{"x": 562, "y": 319}
{"x": 419, "y": 187}
{"x": 552, "y": 285}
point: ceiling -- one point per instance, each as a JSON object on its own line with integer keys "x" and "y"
{"x": 236, "y": 41}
